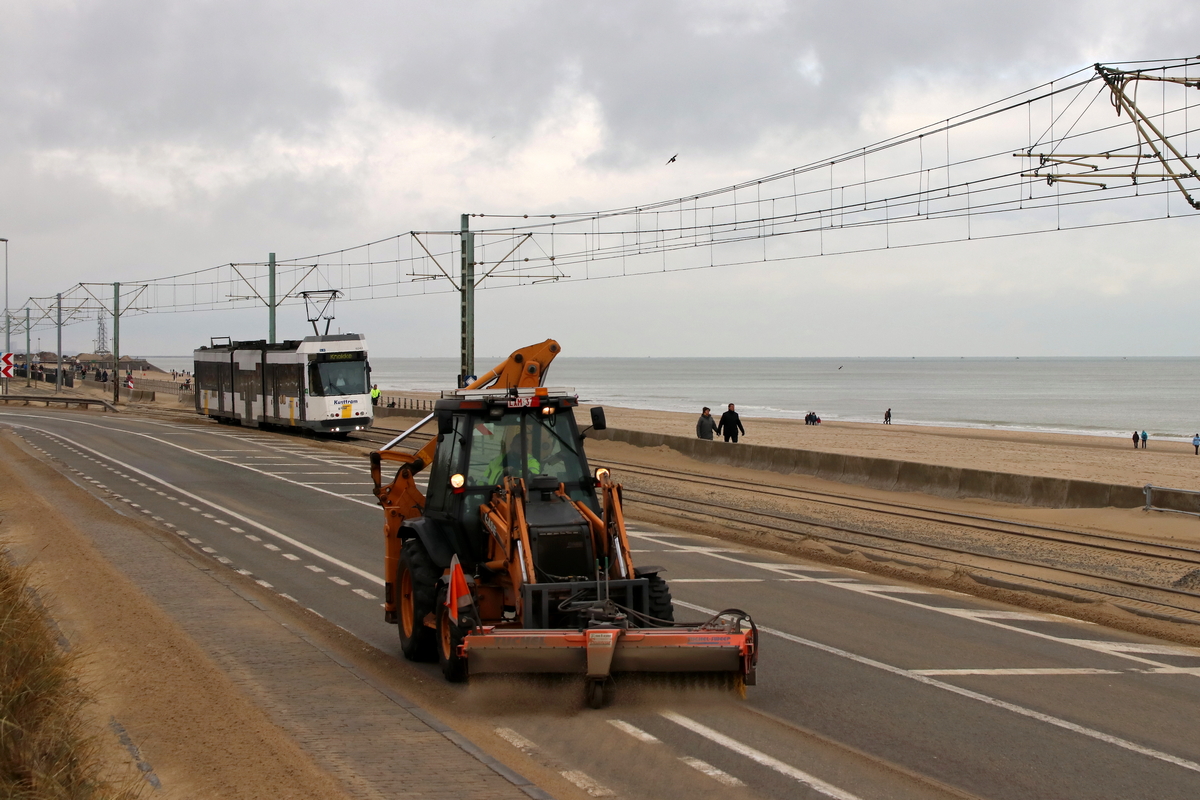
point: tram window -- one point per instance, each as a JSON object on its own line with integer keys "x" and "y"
{"x": 333, "y": 378}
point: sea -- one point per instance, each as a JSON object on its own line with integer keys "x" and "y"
{"x": 1093, "y": 396}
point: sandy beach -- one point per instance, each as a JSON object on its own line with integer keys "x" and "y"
{"x": 1094, "y": 458}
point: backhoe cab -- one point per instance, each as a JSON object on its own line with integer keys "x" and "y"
{"x": 517, "y": 559}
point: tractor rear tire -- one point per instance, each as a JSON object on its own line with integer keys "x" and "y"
{"x": 661, "y": 607}
{"x": 449, "y": 637}
{"x": 416, "y": 589}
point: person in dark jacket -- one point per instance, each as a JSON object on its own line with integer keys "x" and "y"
{"x": 730, "y": 424}
{"x": 706, "y": 426}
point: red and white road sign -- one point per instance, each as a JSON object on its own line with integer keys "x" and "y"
{"x": 6, "y": 365}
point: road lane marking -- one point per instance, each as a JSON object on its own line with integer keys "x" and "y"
{"x": 589, "y": 784}
{"x": 1019, "y": 671}
{"x": 717, "y": 580}
{"x": 229, "y": 512}
{"x": 708, "y": 769}
{"x": 364, "y": 593}
{"x": 193, "y": 451}
{"x": 634, "y": 731}
{"x": 313, "y": 567}
{"x": 339, "y": 581}
{"x": 972, "y": 695}
{"x": 759, "y": 757}
{"x": 515, "y": 739}
{"x": 290, "y": 557}
{"x": 886, "y": 589}
{"x": 964, "y": 613}
{"x": 1138, "y": 647}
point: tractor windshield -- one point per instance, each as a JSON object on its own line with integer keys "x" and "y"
{"x": 523, "y": 445}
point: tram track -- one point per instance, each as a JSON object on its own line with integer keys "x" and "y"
{"x": 1072, "y": 582}
{"x": 988, "y": 565}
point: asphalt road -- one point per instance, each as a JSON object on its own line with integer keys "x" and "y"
{"x": 867, "y": 688}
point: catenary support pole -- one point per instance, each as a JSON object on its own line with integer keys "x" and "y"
{"x": 116, "y": 342}
{"x": 271, "y": 298}
{"x": 58, "y": 381}
{"x": 28, "y": 359}
{"x": 7, "y": 313}
{"x": 467, "y": 366}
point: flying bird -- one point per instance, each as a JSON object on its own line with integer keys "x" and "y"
{"x": 671, "y": 160}
{"x": 839, "y": 367}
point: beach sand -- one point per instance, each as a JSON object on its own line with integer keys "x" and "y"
{"x": 1093, "y": 458}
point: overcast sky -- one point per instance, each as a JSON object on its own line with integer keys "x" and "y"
{"x": 139, "y": 139}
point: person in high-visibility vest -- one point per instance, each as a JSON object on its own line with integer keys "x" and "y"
{"x": 375, "y": 395}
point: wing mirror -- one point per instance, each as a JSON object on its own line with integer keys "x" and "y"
{"x": 598, "y": 422}
{"x": 445, "y": 424}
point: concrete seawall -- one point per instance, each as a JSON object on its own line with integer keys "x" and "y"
{"x": 908, "y": 476}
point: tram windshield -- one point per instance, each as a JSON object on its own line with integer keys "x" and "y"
{"x": 334, "y": 378}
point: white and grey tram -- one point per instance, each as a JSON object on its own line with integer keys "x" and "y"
{"x": 321, "y": 383}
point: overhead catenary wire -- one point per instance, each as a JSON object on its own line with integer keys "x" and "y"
{"x": 908, "y": 198}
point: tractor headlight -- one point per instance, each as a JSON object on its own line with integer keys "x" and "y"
{"x": 457, "y": 480}
{"x": 601, "y": 474}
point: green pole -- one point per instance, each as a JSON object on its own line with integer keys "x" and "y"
{"x": 271, "y": 298}
{"x": 467, "y": 291}
{"x": 28, "y": 361}
{"x": 116, "y": 343}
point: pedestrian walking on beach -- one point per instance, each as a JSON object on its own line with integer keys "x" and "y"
{"x": 706, "y": 426}
{"x": 1144, "y": 438}
{"x": 730, "y": 424}
{"x": 887, "y": 417}
{"x": 1136, "y": 439}
{"x": 1196, "y": 443}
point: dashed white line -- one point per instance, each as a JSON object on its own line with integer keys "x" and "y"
{"x": 245, "y": 520}
{"x": 274, "y": 548}
{"x": 634, "y": 731}
{"x": 983, "y": 698}
{"x": 1025, "y": 671}
{"x": 759, "y": 757}
{"x": 339, "y": 581}
{"x": 365, "y": 593}
{"x": 290, "y": 557}
{"x": 313, "y": 567}
{"x": 720, "y": 775}
{"x": 589, "y": 784}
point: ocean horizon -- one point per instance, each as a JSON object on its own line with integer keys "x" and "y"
{"x": 1108, "y": 396}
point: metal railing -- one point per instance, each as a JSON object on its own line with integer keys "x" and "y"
{"x": 1149, "y": 489}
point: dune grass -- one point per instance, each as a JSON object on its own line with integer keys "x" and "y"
{"x": 47, "y": 750}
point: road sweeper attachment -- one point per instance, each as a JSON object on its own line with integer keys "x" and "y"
{"x": 516, "y": 560}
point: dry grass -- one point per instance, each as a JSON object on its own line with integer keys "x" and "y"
{"x": 46, "y": 748}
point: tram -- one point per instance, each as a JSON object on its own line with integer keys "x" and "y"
{"x": 319, "y": 383}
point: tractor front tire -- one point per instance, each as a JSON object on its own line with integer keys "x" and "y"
{"x": 661, "y": 607}
{"x": 449, "y": 637}
{"x": 416, "y": 588}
